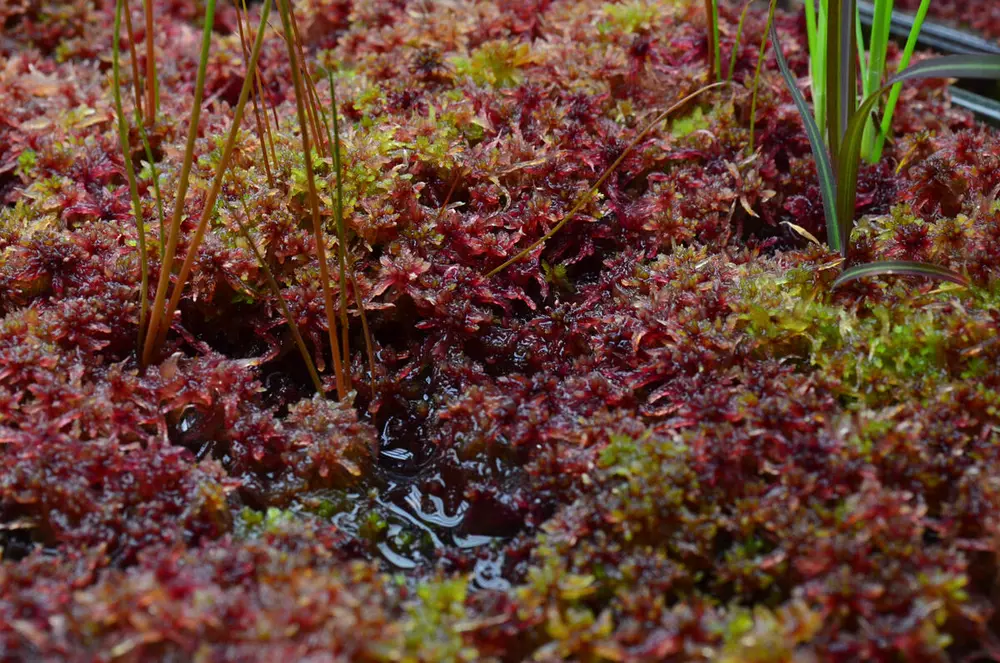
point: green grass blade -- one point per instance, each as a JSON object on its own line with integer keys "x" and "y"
{"x": 859, "y": 38}
{"x": 904, "y": 62}
{"x": 812, "y": 36}
{"x": 736, "y": 42}
{"x": 756, "y": 75}
{"x": 812, "y": 40}
{"x": 876, "y": 66}
{"x": 824, "y": 169}
{"x": 714, "y": 60}
{"x": 152, "y": 82}
{"x": 841, "y": 72}
{"x": 951, "y": 66}
{"x": 133, "y": 188}
{"x": 817, "y": 61}
{"x": 902, "y": 268}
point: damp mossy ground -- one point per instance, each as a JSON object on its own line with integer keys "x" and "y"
{"x": 663, "y": 436}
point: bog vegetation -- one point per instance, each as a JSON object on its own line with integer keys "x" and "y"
{"x": 484, "y": 331}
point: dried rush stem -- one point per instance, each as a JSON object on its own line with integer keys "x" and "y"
{"x": 333, "y": 144}
{"x": 253, "y": 98}
{"x": 604, "y": 176}
{"x": 276, "y": 291}
{"x": 150, "y": 65}
{"x": 300, "y": 99}
{"x": 134, "y": 59}
{"x": 140, "y": 122}
{"x": 220, "y": 172}
{"x": 318, "y": 117}
{"x": 130, "y": 171}
{"x": 369, "y": 345}
{"x": 156, "y": 317}
{"x": 263, "y": 102}
{"x": 313, "y": 105}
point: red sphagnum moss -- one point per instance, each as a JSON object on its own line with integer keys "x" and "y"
{"x": 660, "y": 437}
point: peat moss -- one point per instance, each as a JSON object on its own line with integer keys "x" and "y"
{"x": 662, "y": 436}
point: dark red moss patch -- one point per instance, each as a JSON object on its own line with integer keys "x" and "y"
{"x": 662, "y": 436}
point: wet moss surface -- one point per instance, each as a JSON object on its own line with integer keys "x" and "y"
{"x": 661, "y": 437}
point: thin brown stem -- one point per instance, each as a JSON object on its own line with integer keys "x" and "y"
{"x": 130, "y": 172}
{"x": 135, "y": 61}
{"x": 156, "y": 316}
{"x": 253, "y": 98}
{"x": 276, "y": 291}
{"x": 300, "y": 98}
{"x": 369, "y": 345}
{"x": 140, "y": 125}
{"x": 333, "y": 142}
{"x": 604, "y": 176}
{"x": 341, "y": 228}
{"x": 314, "y": 104}
{"x": 267, "y": 123}
{"x": 451, "y": 192}
{"x": 220, "y": 172}
{"x": 262, "y": 93}
{"x": 150, "y": 65}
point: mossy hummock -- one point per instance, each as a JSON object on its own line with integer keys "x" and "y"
{"x": 661, "y": 436}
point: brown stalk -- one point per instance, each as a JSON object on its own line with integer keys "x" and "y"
{"x": 451, "y": 192}
{"x": 312, "y": 100}
{"x": 263, "y": 102}
{"x": 253, "y": 98}
{"x": 582, "y": 200}
{"x": 135, "y": 60}
{"x": 300, "y": 97}
{"x": 267, "y": 123}
{"x": 151, "y": 342}
{"x": 150, "y": 65}
{"x": 274, "y": 108}
{"x": 369, "y": 346}
{"x": 311, "y": 88}
{"x": 334, "y": 143}
{"x": 140, "y": 123}
{"x": 220, "y": 172}
{"x": 333, "y": 152}
{"x": 123, "y": 132}
{"x": 262, "y": 94}
{"x": 276, "y": 291}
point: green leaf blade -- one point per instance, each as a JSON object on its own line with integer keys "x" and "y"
{"x": 877, "y": 50}
{"x": 841, "y": 71}
{"x": 900, "y": 268}
{"x": 904, "y": 62}
{"x": 849, "y": 157}
{"x": 824, "y": 168}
